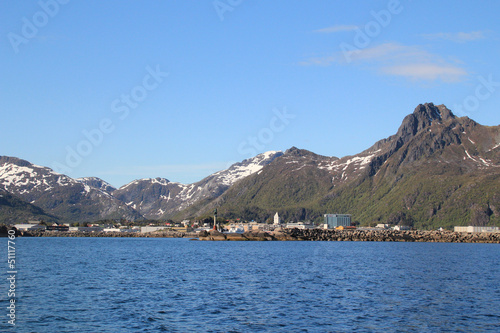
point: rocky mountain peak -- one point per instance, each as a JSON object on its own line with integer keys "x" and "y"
{"x": 14, "y": 160}
{"x": 293, "y": 151}
{"x": 428, "y": 112}
{"x": 423, "y": 117}
{"x": 296, "y": 152}
{"x": 97, "y": 183}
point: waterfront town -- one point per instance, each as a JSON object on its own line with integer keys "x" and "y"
{"x": 335, "y": 227}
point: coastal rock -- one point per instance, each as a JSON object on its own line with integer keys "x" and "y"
{"x": 236, "y": 237}
{"x": 258, "y": 236}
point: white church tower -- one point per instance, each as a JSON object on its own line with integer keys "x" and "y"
{"x": 276, "y": 219}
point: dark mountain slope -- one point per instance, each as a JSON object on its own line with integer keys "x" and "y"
{"x": 59, "y": 195}
{"x": 14, "y": 210}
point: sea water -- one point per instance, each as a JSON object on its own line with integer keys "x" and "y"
{"x": 180, "y": 285}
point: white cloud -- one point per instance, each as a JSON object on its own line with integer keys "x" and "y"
{"x": 412, "y": 62}
{"x": 337, "y": 28}
{"x": 458, "y": 37}
{"x": 390, "y": 51}
{"x": 427, "y": 71}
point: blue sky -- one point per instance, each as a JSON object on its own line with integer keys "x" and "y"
{"x": 180, "y": 89}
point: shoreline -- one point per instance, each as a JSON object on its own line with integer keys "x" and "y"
{"x": 294, "y": 235}
{"x": 106, "y": 234}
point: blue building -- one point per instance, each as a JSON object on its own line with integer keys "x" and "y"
{"x": 337, "y": 220}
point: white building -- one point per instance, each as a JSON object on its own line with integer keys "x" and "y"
{"x": 476, "y": 229}
{"x": 401, "y": 227}
{"x": 300, "y": 225}
{"x": 111, "y": 230}
{"x": 152, "y": 228}
{"x": 86, "y": 229}
{"x": 277, "y": 219}
{"x": 236, "y": 229}
{"x": 29, "y": 226}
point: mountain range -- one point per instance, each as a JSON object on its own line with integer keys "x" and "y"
{"x": 437, "y": 170}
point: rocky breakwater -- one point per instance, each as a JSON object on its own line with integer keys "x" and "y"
{"x": 390, "y": 236}
{"x": 156, "y": 234}
{"x": 356, "y": 235}
{"x": 214, "y": 235}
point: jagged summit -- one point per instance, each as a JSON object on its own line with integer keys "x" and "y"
{"x": 97, "y": 183}
{"x": 432, "y": 112}
{"x": 423, "y": 117}
{"x": 298, "y": 152}
{"x": 294, "y": 151}
{"x": 146, "y": 181}
{"x": 14, "y": 160}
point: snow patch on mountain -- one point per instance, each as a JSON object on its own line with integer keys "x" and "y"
{"x": 161, "y": 181}
{"x": 359, "y": 161}
{"x": 158, "y": 180}
{"x": 498, "y": 145}
{"x": 479, "y": 160}
{"x": 13, "y": 177}
{"x": 244, "y": 169}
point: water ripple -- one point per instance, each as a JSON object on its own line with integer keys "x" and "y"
{"x": 174, "y": 285}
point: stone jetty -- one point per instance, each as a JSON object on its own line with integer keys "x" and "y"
{"x": 355, "y": 235}
{"x": 156, "y": 234}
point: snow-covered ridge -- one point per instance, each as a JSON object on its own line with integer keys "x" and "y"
{"x": 158, "y": 180}
{"x": 244, "y": 169}
{"x": 35, "y": 177}
{"x": 97, "y": 183}
{"x": 221, "y": 180}
{"x": 29, "y": 178}
{"x": 342, "y": 164}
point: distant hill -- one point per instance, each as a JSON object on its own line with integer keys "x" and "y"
{"x": 160, "y": 198}
{"x": 14, "y": 210}
{"x": 59, "y": 195}
{"x": 437, "y": 170}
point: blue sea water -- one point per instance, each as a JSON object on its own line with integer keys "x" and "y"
{"x": 178, "y": 285}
